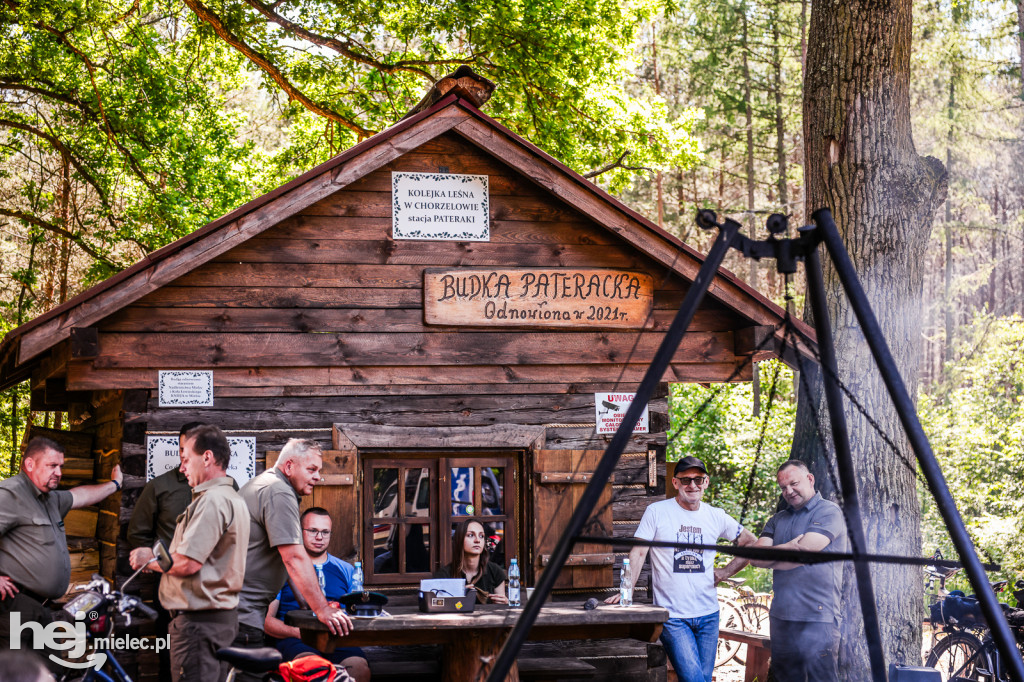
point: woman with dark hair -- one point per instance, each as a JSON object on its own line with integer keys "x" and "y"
{"x": 470, "y": 560}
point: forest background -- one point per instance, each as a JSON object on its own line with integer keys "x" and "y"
{"x": 126, "y": 125}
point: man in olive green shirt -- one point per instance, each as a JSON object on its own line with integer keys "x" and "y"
{"x": 208, "y": 548}
{"x": 276, "y": 552}
{"x": 162, "y": 500}
{"x": 35, "y": 565}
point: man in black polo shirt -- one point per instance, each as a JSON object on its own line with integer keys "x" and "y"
{"x": 805, "y": 609}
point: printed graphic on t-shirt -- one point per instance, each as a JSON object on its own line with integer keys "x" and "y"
{"x": 689, "y": 560}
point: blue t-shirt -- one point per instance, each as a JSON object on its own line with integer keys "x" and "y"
{"x": 337, "y": 575}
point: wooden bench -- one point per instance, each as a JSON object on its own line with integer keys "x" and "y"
{"x": 759, "y": 651}
{"x": 561, "y": 668}
{"x": 405, "y": 671}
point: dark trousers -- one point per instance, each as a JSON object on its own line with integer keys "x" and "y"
{"x": 29, "y": 610}
{"x": 249, "y": 638}
{"x": 163, "y": 627}
{"x": 804, "y": 651}
{"x": 195, "y": 638}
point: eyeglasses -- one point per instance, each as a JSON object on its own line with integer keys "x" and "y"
{"x": 687, "y": 480}
{"x": 317, "y": 533}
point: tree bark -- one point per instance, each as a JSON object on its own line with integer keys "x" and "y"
{"x": 1020, "y": 40}
{"x": 947, "y": 293}
{"x": 749, "y": 117}
{"x": 861, "y": 163}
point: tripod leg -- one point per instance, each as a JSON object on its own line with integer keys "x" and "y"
{"x": 1003, "y": 636}
{"x": 844, "y": 462}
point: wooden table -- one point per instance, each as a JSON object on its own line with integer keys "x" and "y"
{"x": 471, "y": 641}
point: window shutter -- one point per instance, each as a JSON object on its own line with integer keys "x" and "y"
{"x": 560, "y": 477}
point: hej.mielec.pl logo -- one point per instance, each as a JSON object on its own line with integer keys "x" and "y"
{"x": 58, "y": 636}
{"x": 63, "y": 636}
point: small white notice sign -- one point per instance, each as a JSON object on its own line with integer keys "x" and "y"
{"x": 189, "y": 388}
{"x": 440, "y": 206}
{"x": 243, "y": 458}
{"x": 162, "y": 456}
{"x": 611, "y": 408}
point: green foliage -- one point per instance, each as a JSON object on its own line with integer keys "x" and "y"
{"x": 974, "y": 418}
{"x": 560, "y": 66}
{"x": 726, "y": 436}
{"x": 13, "y": 415}
{"x": 115, "y": 141}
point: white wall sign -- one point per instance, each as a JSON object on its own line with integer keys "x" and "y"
{"x": 162, "y": 456}
{"x": 610, "y": 408}
{"x": 191, "y": 388}
{"x": 243, "y": 458}
{"x": 440, "y": 206}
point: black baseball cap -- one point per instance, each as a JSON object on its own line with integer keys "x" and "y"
{"x": 690, "y": 463}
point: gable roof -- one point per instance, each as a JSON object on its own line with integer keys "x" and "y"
{"x": 22, "y": 348}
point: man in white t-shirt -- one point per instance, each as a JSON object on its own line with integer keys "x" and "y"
{"x": 684, "y": 579}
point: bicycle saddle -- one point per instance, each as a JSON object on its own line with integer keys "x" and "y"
{"x": 260, "y": 660}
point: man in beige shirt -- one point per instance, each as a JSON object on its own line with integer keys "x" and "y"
{"x": 276, "y": 552}
{"x": 201, "y": 589}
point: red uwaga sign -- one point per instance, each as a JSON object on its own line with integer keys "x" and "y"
{"x": 548, "y": 297}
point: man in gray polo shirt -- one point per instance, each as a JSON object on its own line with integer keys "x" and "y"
{"x": 34, "y": 562}
{"x": 276, "y": 552}
{"x": 805, "y": 611}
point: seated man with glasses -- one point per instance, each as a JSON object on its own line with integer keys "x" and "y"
{"x": 684, "y": 579}
{"x": 335, "y": 577}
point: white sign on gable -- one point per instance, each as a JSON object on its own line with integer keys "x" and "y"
{"x": 188, "y": 388}
{"x": 162, "y": 456}
{"x": 440, "y": 206}
{"x": 611, "y": 408}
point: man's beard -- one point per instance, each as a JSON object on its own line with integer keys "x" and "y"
{"x": 316, "y": 555}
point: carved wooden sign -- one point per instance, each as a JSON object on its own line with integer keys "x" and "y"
{"x": 547, "y": 297}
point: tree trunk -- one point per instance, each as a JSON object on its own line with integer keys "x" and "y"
{"x": 749, "y": 115}
{"x": 1020, "y": 40}
{"x": 658, "y": 180}
{"x": 861, "y": 163}
{"x": 947, "y": 298}
{"x": 780, "y": 128}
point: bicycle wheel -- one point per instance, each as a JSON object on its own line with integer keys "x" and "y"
{"x": 730, "y": 618}
{"x": 957, "y": 656}
{"x": 757, "y": 616}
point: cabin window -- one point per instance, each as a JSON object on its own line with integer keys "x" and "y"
{"x": 413, "y": 503}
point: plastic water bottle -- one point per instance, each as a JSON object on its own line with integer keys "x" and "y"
{"x": 625, "y": 585}
{"x": 514, "y": 587}
{"x": 357, "y": 578}
{"x": 320, "y": 578}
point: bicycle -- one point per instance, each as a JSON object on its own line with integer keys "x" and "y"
{"x": 100, "y": 608}
{"x": 967, "y": 650}
{"x": 755, "y": 605}
{"x": 730, "y": 617}
{"x": 265, "y": 662}
{"x": 941, "y": 575}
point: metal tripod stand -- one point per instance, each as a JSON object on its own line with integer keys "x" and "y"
{"x": 787, "y": 253}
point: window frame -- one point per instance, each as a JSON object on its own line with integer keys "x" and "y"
{"x": 440, "y": 516}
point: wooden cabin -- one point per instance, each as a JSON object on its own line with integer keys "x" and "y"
{"x": 449, "y": 356}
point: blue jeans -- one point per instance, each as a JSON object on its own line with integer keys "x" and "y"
{"x": 690, "y": 644}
